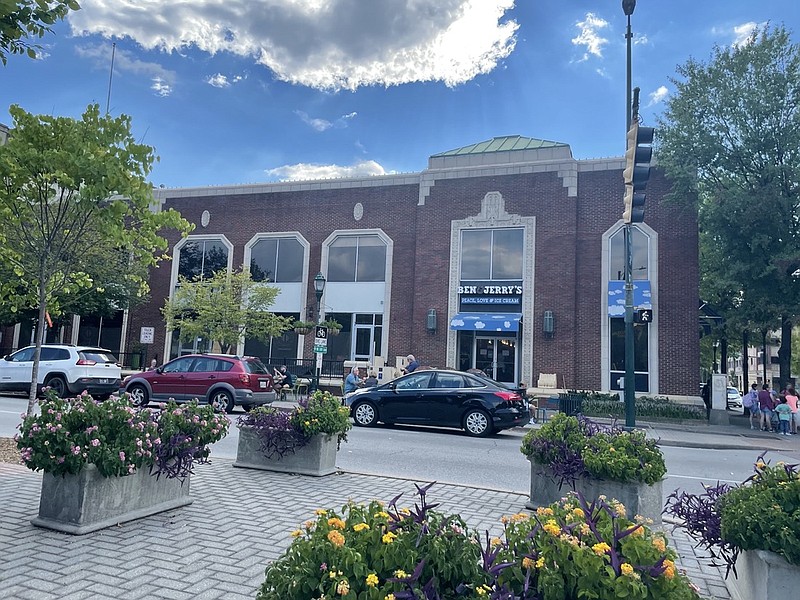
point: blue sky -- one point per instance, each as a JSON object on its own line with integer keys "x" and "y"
{"x": 246, "y": 91}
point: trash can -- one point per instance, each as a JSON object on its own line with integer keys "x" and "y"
{"x": 570, "y": 404}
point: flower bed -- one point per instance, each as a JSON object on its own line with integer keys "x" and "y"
{"x": 647, "y": 407}
{"x": 569, "y": 550}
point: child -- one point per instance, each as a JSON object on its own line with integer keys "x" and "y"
{"x": 784, "y": 414}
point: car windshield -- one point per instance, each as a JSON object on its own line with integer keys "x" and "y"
{"x": 254, "y": 365}
{"x": 100, "y": 356}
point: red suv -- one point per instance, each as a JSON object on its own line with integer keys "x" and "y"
{"x": 221, "y": 380}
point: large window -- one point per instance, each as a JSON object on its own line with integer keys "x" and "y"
{"x": 200, "y": 259}
{"x": 357, "y": 258}
{"x": 640, "y": 252}
{"x": 491, "y": 254}
{"x": 278, "y": 350}
{"x": 279, "y": 260}
{"x": 641, "y": 354}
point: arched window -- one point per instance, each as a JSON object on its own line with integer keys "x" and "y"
{"x": 277, "y": 260}
{"x": 357, "y": 258}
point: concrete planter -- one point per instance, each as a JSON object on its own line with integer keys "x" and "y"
{"x": 88, "y": 501}
{"x": 763, "y": 575}
{"x": 638, "y": 498}
{"x": 316, "y": 458}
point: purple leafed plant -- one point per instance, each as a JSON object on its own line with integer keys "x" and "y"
{"x": 275, "y": 432}
{"x": 700, "y": 516}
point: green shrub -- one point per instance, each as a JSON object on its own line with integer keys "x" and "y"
{"x": 596, "y": 404}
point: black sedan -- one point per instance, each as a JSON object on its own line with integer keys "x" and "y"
{"x": 443, "y": 398}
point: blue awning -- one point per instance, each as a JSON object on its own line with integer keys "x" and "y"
{"x": 486, "y": 321}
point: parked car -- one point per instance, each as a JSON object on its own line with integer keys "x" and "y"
{"x": 64, "y": 368}
{"x": 440, "y": 397}
{"x": 734, "y": 398}
{"x": 222, "y": 380}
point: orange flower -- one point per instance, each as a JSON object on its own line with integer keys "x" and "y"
{"x": 336, "y": 538}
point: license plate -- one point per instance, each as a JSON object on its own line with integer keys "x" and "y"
{"x": 262, "y": 384}
{"x": 102, "y": 380}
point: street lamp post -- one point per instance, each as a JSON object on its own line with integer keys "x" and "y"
{"x": 714, "y": 364}
{"x": 628, "y": 7}
{"x": 319, "y": 289}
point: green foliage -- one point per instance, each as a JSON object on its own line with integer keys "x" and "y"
{"x": 24, "y": 19}
{"x": 112, "y": 435}
{"x": 569, "y": 550}
{"x": 221, "y": 308}
{"x": 303, "y": 325}
{"x": 331, "y": 324}
{"x": 764, "y": 513}
{"x": 323, "y": 413}
{"x": 659, "y": 407}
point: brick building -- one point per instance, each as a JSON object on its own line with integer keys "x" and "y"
{"x": 505, "y": 255}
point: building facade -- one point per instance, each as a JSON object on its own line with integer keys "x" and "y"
{"x": 506, "y": 256}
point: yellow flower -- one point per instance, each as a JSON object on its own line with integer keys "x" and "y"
{"x": 405, "y": 511}
{"x": 578, "y": 512}
{"x": 307, "y": 423}
{"x": 585, "y": 529}
{"x": 669, "y": 569}
{"x": 320, "y": 511}
{"x": 388, "y": 537}
{"x": 601, "y": 548}
{"x": 540, "y": 562}
{"x": 619, "y": 508}
{"x": 372, "y": 580}
{"x": 382, "y": 514}
{"x": 521, "y": 517}
{"x": 611, "y": 449}
{"x": 504, "y": 519}
{"x": 336, "y": 523}
{"x": 343, "y": 587}
{"x": 626, "y": 568}
{"x": 544, "y": 511}
{"x": 336, "y": 538}
{"x": 527, "y": 563}
{"x": 297, "y": 533}
{"x": 638, "y": 532}
{"x": 483, "y": 590}
{"x": 389, "y": 597}
{"x": 308, "y": 524}
{"x": 360, "y": 527}
{"x": 761, "y": 464}
{"x": 400, "y": 574}
{"x": 552, "y": 528}
{"x": 496, "y": 541}
{"x": 659, "y": 544}
{"x": 332, "y": 574}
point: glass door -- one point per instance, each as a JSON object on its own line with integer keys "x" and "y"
{"x": 497, "y": 357}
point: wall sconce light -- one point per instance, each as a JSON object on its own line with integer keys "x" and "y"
{"x": 549, "y": 324}
{"x": 431, "y": 321}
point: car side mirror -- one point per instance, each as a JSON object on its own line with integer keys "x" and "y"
{"x": 159, "y": 370}
{"x": 393, "y": 386}
{"x": 7, "y": 357}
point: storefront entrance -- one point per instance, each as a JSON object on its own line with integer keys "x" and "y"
{"x": 497, "y": 357}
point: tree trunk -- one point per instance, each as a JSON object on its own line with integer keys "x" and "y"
{"x": 785, "y": 353}
{"x": 745, "y": 362}
{"x": 764, "y": 355}
{"x": 40, "y": 335}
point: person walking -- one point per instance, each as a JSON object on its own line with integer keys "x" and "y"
{"x": 750, "y": 402}
{"x": 765, "y": 406}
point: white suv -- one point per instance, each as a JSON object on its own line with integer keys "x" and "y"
{"x": 64, "y": 368}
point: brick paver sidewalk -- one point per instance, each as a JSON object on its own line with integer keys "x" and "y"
{"x": 218, "y": 546}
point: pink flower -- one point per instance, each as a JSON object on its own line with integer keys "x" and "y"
{"x": 121, "y": 455}
{"x": 95, "y": 442}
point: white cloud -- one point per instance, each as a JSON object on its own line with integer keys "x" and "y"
{"x": 323, "y": 124}
{"x": 325, "y": 44}
{"x": 743, "y": 32}
{"x": 590, "y": 37}
{"x": 218, "y": 80}
{"x": 658, "y": 96}
{"x": 163, "y": 80}
{"x": 305, "y": 171}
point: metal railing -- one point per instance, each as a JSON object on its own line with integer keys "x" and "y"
{"x": 305, "y": 367}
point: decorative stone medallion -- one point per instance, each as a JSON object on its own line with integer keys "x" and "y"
{"x": 358, "y": 211}
{"x": 205, "y": 218}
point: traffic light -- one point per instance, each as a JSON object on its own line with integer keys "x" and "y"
{"x": 637, "y": 171}
{"x": 643, "y": 315}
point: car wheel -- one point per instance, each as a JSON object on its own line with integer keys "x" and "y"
{"x": 365, "y": 414}
{"x": 139, "y": 395}
{"x": 477, "y": 423}
{"x": 222, "y": 401}
{"x": 58, "y": 385}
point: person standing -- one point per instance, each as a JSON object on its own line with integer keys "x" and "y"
{"x": 765, "y": 406}
{"x": 784, "y": 413}
{"x": 412, "y": 365}
{"x": 750, "y": 402}
{"x": 792, "y": 401}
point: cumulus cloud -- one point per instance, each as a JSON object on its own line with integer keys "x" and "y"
{"x": 323, "y": 44}
{"x": 305, "y": 171}
{"x": 743, "y": 32}
{"x": 658, "y": 96}
{"x": 163, "y": 80}
{"x": 218, "y": 80}
{"x": 323, "y": 124}
{"x": 590, "y": 37}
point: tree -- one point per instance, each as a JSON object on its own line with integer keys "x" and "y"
{"x": 21, "y": 20}
{"x": 222, "y": 308}
{"x": 74, "y": 202}
{"x": 730, "y": 142}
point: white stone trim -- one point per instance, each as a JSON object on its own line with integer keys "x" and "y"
{"x": 387, "y": 298}
{"x": 653, "y": 359}
{"x": 493, "y": 215}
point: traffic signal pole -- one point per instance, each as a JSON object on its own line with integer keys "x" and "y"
{"x": 628, "y": 7}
